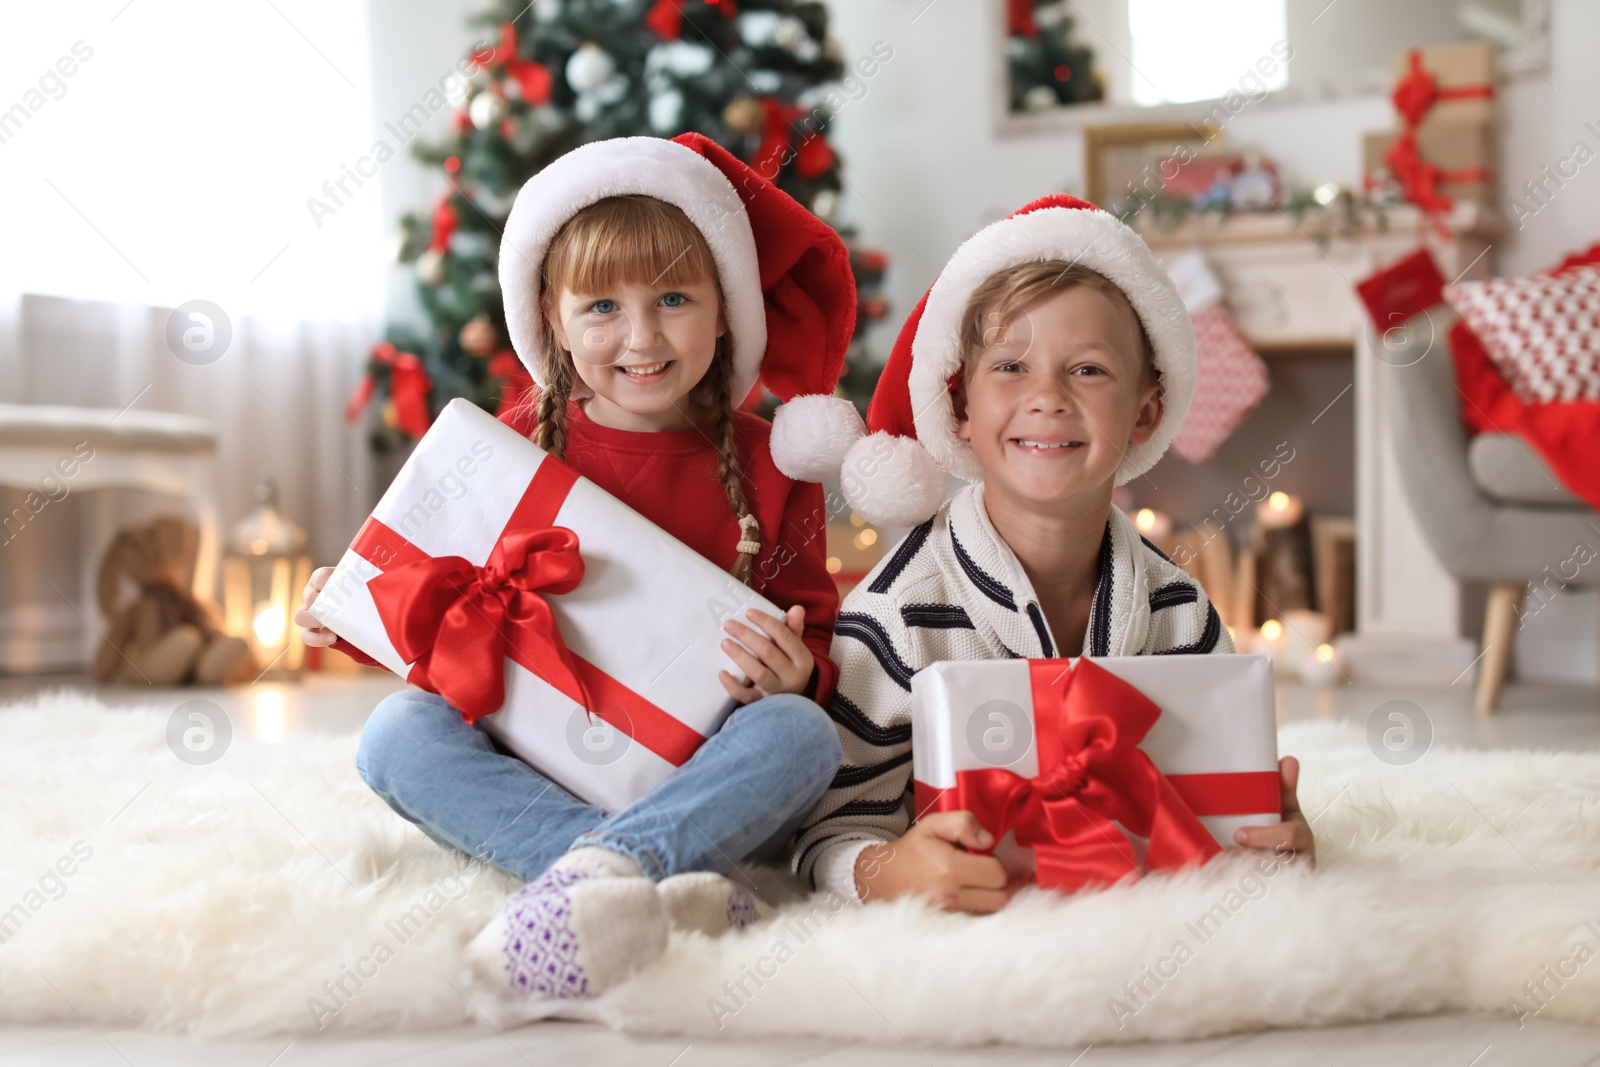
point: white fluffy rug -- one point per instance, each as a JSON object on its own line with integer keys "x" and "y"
{"x": 271, "y": 892}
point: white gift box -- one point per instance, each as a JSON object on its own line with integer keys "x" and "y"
{"x": 645, "y": 622}
{"x": 1217, "y": 718}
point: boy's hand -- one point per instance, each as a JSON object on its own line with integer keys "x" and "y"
{"x": 312, "y": 632}
{"x": 781, "y": 662}
{"x": 931, "y": 859}
{"x": 1292, "y": 837}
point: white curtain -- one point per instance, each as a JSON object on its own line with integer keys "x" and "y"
{"x": 163, "y": 151}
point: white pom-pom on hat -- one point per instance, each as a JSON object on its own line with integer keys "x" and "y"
{"x": 811, "y": 434}
{"x": 892, "y": 481}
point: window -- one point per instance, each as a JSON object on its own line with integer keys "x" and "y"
{"x": 1187, "y": 50}
{"x": 158, "y": 151}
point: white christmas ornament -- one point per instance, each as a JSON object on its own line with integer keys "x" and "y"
{"x": 1040, "y": 98}
{"x": 486, "y": 110}
{"x": 615, "y": 88}
{"x": 685, "y": 59}
{"x": 666, "y": 111}
{"x": 430, "y": 267}
{"x": 756, "y": 28}
{"x": 589, "y": 68}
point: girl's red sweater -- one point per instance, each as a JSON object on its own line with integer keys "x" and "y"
{"x": 671, "y": 479}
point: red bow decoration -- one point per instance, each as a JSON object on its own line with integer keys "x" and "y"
{"x": 518, "y": 383}
{"x": 813, "y": 157}
{"x": 456, "y": 622}
{"x": 533, "y": 78}
{"x": 1414, "y": 96}
{"x": 666, "y": 17}
{"x": 1417, "y": 177}
{"x": 1019, "y": 19}
{"x": 409, "y": 386}
{"x": 445, "y": 220}
{"x": 1091, "y": 774}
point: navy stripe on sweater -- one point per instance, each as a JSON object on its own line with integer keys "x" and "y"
{"x": 870, "y": 632}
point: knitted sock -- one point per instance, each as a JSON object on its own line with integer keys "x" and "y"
{"x": 585, "y": 925}
{"x": 708, "y": 902}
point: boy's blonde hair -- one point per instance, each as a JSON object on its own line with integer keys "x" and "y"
{"x": 1006, "y": 293}
{"x": 641, "y": 240}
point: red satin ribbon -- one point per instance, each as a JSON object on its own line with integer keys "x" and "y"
{"x": 409, "y": 386}
{"x": 457, "y": 623}
{"x": 1087, "y": 726}
{"x": 666, "y": 17}
{"x": 1414, "y": 96}
{"x": 812, "y": 157}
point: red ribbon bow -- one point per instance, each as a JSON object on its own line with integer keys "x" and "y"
{"x": 1019, "y": 19}
{"x": 409, "y": 386}
{"x": 533, "y": 78}
{"x": 812, "y": 157}
{"x": 456, "y": 623}
{"x": 1092, "y": 774}
{"x": 1414, "y": 96}
{"x": 666, "y": 17}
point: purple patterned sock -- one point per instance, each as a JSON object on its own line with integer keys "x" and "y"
{"x": 541, "y": 946}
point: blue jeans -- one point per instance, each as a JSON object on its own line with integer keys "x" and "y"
{"x": 741, "y": 795}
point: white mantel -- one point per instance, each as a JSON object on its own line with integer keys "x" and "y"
{"x": 1291, "y": 284}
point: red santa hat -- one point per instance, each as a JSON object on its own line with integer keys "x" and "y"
{"x": 896, "y": 476}
{"x": 789, "y": 298}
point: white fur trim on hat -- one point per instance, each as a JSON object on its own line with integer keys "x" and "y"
{"x": 892, "y": 480}
{"x": 1085, "y": 236}
{"x": 651, "y": 167}
{"x": 811, "y": 434}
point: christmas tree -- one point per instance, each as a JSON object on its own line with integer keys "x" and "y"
{"x": 753, "y": 76}
{"x": 1048, "y": 67}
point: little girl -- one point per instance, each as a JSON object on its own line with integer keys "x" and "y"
{"x": 649, "y": 285}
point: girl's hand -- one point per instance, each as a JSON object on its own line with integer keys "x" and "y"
{"x": 781, "y": 662}
{"x": 1291, "y": 838}
{"x": 313, "y": 633}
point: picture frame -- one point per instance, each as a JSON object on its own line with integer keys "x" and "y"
{"x": 1123, "y": 159}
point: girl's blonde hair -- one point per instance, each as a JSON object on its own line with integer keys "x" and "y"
{"x": 634, "y": 239}
{"x": 1005, "y": 293}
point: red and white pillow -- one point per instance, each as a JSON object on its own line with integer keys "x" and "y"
{"x": 1542, "y": 333}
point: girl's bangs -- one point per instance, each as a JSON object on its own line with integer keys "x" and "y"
{"x": 628, "y": 240}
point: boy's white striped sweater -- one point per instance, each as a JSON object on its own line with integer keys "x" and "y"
{"x": 953, "y": 590}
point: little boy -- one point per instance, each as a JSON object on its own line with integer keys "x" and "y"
{"x": 1051, "y": 361}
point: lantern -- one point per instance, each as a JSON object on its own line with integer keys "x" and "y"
{"x": 264, "y": 572}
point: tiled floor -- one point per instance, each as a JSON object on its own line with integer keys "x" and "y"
{"x": 1545, "y": 717}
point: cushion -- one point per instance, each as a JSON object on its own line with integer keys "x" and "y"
{"x": 49, "y": 426}
{"x": 1508, "y": 470}
{"x": 1542, "y": 333}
